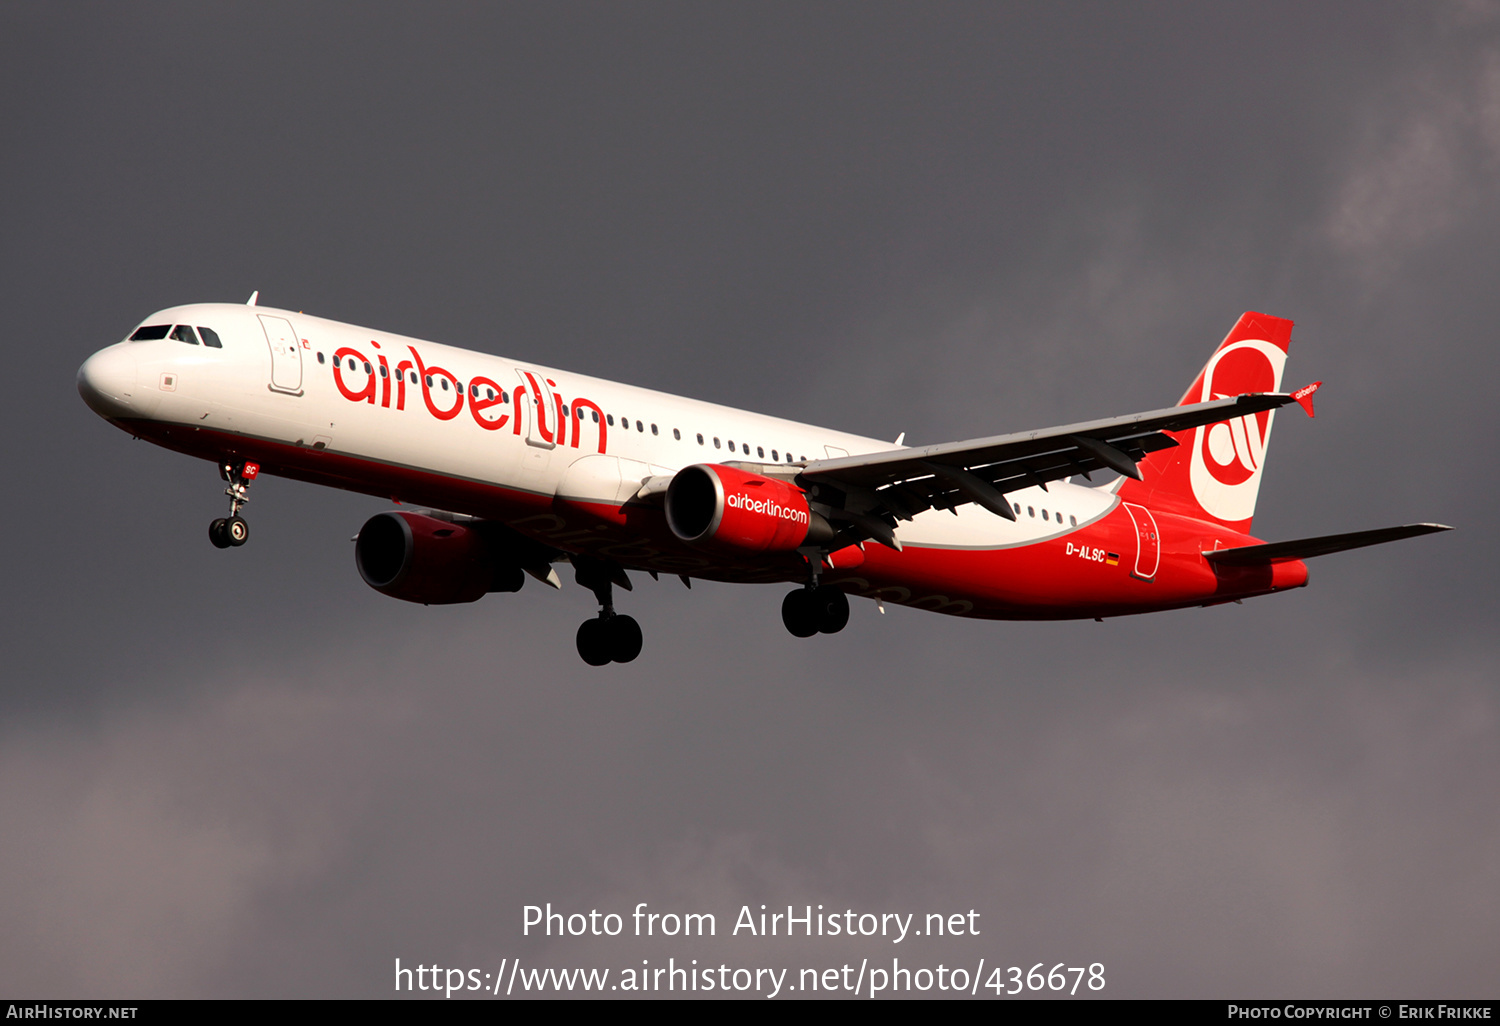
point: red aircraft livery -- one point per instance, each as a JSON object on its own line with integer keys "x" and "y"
{"x": 516, "y": 468}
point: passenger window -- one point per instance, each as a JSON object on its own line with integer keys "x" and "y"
{"x": 653, "y": 429}
{"x": 184, "y": 333}
{"x": 609, "y": 418}
{"x": 150, "y": 332}
{"x": 716, "y": 441}
{"x": 565, "y": 409}
{"x": 774, "y": 456}
{"x": 676, "y": 434}
{"x": 1017, "y": 505}
{"x": 789, "y": 457}
{"x": 489, "y": 393}
{"x": 595, "y": 415}
{"x": 445, "y": 383}
{"x": 210, "y": 337}
{"x": 700, "y": 438}
{"x": 367, "y": 367}
{"x": 1072, "y": 520}
{"x": 760, "y": 452}
{"x": 1044, "y": 514}
{"x": 413, "y": 377}
{"x": 731, "y": 445}
{"x": 427, "y": 378}
{"x": 1031, "y": 510}
{"x": 382, "y": 370}
{"x": 352, "y": 364}
{"x": 320, "y": 358}
{"x": 640, "y": 427}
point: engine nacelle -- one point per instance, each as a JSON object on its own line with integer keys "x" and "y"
{"x": 720, "y": 507}
{"x": 423, "y": 559}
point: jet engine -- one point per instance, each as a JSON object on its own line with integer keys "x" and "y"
{"x": 720, "y": 507}
{"x": 420, "y": 558}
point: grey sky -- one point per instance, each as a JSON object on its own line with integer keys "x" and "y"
{"x": 245, "y": 773}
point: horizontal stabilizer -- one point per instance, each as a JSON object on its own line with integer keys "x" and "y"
{"x": 1306, "y": 548}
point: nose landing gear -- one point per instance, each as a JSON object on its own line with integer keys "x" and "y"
{"x": 610, "y": 636}
{"x": 232, "y": 530}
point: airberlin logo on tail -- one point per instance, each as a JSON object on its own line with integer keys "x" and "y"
{"x": 767, "y": 507}
{"x": 1227, "y": 458}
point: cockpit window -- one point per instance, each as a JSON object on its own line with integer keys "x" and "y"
{"x": 210, "y": 337}
{"x": 184, "y": 333}
{"x": 150, "y": 332}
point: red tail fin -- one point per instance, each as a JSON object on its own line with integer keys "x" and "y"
{"x": 1214, "y": 473}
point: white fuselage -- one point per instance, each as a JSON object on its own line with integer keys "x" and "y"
{"x": 262, "y": 386}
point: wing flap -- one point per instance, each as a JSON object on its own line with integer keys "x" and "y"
{"x": 1306, "y": 548}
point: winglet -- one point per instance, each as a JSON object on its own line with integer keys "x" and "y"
{"x": 253, "y": 297}
{"x": 1304, "y": 396}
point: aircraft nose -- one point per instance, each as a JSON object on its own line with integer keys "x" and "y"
{"x": 107, "y": 381}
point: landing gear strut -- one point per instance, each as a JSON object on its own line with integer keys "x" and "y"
{"x": 610, "y": 636}
{"x": 233, "y": 530}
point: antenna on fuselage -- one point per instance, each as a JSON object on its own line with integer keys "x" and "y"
{"x": 253, "y": 297}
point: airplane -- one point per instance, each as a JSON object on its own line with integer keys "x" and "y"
{"x": 505, "y": 469}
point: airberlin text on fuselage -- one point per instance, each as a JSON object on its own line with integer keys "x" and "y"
{"x": 771, "y": 509}
{"x": 388, "y": 389}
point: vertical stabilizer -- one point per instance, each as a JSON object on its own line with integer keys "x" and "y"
{"x": 1214, "y": 473}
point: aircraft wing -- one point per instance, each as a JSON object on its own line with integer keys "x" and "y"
{"x": 870, "y": 489}
{"x": 1306, "y": 548}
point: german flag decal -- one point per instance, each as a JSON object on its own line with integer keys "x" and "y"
{"x": 1112, "y": 559}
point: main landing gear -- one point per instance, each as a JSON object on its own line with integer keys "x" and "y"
{"x": 815, "y": 608}
{"x": 610, "y": 636}
{"x": 232, "y": 530}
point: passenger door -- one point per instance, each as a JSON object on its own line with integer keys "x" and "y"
{"x": 286, "y": 354}
{"x": 1148, "y": 545}
{"x": 539, "y": 409}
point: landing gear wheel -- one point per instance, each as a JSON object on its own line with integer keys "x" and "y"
{"x": 624, "y": 638}
{"x": 237, "y": 531}
{"x": 799, "y": 611}
{"x": 833, "y": 609}
{"x": 217, "y": 534}
{"x": 593, "y": 642}
{"x": 508, "y": 578}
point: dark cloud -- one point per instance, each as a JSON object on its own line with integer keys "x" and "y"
{"x": 245, "y": 773}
